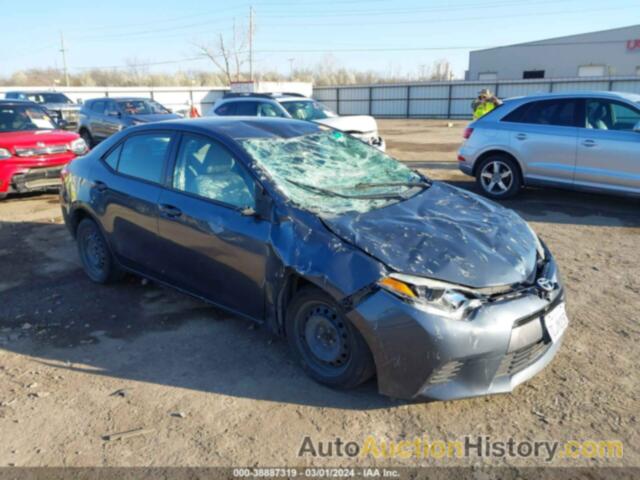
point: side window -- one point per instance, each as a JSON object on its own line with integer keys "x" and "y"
{"x": 143, "y": 156}
{"x": 247, "y": 108}
{"x": 546, "y": 112}
{"x": 266, "y": 109}
{"x": 112, "y": 158}
{"x": 207, "y": 169}
{"x": 226, "y": 109}
{"x": 611, "y": 115}
{"x": 110, "y": 107}
{"x": 98, "y": 107}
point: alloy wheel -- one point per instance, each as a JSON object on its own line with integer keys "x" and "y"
{"x": 496, "y": 177}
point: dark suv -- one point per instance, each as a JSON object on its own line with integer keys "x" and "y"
{"x": 58, "y": 105}
{"x": 102, "y": 117}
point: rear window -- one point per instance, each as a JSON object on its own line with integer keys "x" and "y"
{"x": 226, "y": 109}
{"x": 545, "y": 112}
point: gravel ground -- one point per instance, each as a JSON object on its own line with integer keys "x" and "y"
{"x": 212, "y": 390}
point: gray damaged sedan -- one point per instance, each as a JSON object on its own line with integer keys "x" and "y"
{"x": 367, "y": 267}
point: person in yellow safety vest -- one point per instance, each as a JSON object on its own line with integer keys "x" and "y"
{"x": 485, "y": 102}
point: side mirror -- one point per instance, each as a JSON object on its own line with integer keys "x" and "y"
{"x": 636, "y": 127}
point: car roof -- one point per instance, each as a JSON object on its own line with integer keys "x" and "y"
{"x": 119, "y": 99}
{"x": 581, "y": 94}
{"x": 19, "y": 102}
{"x": 34, "y": 92}
{"x": 276, "y": 97}
{"x": 241, "y": 128}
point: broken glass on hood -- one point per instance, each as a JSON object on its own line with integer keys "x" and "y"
{"x": 332, "y": 173}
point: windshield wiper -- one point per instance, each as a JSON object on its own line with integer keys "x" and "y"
{"x": 423, "y": 184}
{"x": 324, "y": 191}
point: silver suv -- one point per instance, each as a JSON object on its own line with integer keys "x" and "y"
{"x": 587, "y": 140}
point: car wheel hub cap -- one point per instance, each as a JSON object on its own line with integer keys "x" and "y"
{"x": 496, "y": 177}
{"x": 326, "y": 336}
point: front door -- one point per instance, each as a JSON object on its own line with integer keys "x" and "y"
{"x": 608, "y": 147}
{"x": 214, "y": 246}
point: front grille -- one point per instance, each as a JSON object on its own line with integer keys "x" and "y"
{"x": 38, "y": 151}
{"x": 518, "y": 360}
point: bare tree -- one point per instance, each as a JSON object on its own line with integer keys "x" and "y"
{"x": 229, "y": 56}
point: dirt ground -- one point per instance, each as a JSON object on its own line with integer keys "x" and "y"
{"x": 215, "y": 391}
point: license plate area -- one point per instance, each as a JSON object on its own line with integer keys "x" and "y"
{"x": 556, "y": 322}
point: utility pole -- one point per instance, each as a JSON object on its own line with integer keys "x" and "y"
{"x": 64, "y": 60}
{"x": 251, "y": 43}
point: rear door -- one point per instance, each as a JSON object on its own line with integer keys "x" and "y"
{"x": 544, "y": 137}
{"x": 212, "y": 245}
{"x": 126, "y": 194}
{"x": 608, "y": 147}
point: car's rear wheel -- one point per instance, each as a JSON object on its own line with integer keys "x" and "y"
{"x": 86, "y": 136}
{"x": 328, "y": 346}
{"x": 95, "y": 255}
{"x": 498, "y": 177}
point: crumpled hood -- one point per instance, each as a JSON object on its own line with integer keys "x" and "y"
{"x": 447, "y": 234}
{"x": 351, "y": 123}
{"x": 154, "y": 117}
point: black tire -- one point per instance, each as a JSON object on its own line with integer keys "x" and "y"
{"x": 3, "y": 196}
{"x": 329, "y": 348}
{"x": 86, "y": 136}
{"x": 498, "y": 176}
{"x": 96, "y": 258}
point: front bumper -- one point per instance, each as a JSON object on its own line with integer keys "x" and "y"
{"x": 420, "y": 355}
{"x": 18, "y": 175}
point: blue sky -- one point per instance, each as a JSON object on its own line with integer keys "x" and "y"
{"x": 385, "y": 36}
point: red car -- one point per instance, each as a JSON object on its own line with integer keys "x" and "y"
{"x": 33, "y": 148}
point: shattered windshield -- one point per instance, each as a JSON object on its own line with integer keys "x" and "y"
{"x": 333, "y": 173}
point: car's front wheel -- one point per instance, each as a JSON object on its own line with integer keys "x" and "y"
{"x": 330, "y": 349}
{"x": 95, "y": 255}
{"x": 498, "y": 177}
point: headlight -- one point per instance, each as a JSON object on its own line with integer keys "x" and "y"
{"x": 437, "y": 297}
{"x": 4, "y": 154}
{"x": 78, "y": 146}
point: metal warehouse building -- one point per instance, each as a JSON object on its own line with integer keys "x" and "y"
{"x": 597, "y": 54}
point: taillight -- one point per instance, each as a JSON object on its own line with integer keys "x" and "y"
{"x": 467, "y": 133}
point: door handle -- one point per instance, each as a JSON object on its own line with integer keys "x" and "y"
{"x": 100, "y": 186}
{"x": 589, "y": 143}
{"x": 170, "y": 211}
{"x": 521, "y": 136}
